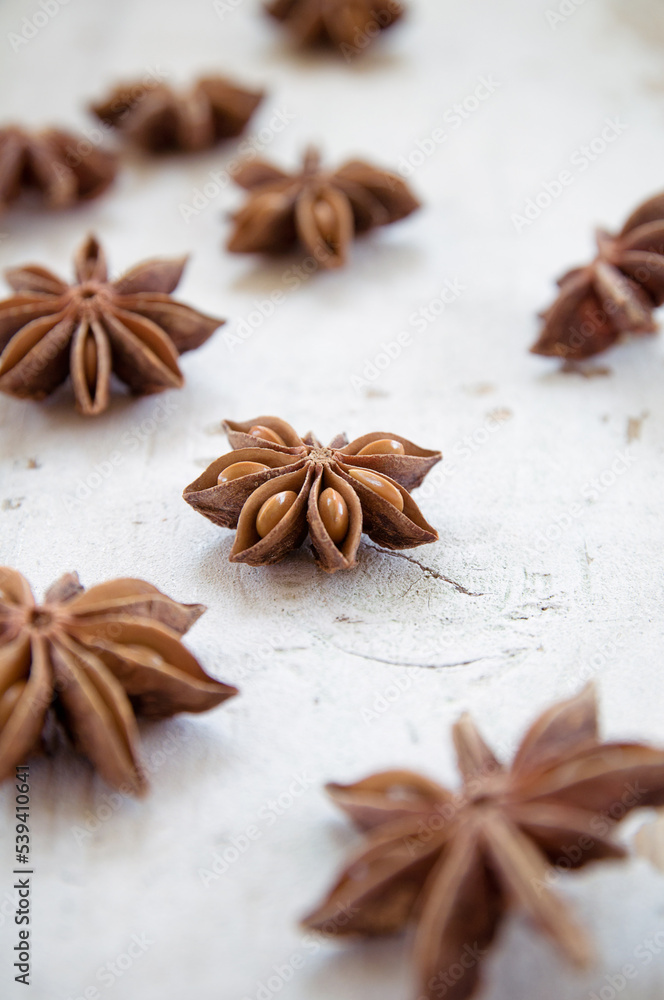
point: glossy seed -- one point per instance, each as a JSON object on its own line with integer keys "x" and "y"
{"x": 380, "y": 485}
{"x": 258, "y": 431}
{"x": 326, "y": 220}
{"x": 239, "y": 469}
{"x": 385, "y": 446}
{"x": 272, "y": 202}
{"x": 9, "y": 701}
{"x": 90, "y": 362}
{"x": 334, "y": 514}
{"x": 273, "y": 510}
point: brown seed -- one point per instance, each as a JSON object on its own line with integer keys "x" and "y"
{"x": 334, "y": 514}
{"x": 9, "y": 700}
{"x": 272, "y": 202}
{"x": 90, "y": 362}
{"x": 239, "y": 469}
{"x": 385, "y": 446}
{"x": 326, "y": 220}
{"x": 380, "y": 485}
{"x": 273, "y": 510}
{"x": 130, "y": 328}
{"x": 258, "y": 431}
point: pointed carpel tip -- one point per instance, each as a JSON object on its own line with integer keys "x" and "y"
{"x": 333, "y": 261}
{"x": 311, "y": 159}
{"x": 542, "y": 349}
{"x": 308, "y": 922}
{"x": 139, "y": 784}
{"x": 587, "y": 693}
{"x": 582, "y": 953}
{"x": 460, "y": 728}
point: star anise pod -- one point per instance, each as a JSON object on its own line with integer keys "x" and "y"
{"x": 319, "y": 210}
{"x": 276, "y": 488}
{"x": 95, "y": 659}
{"x": 612, "y": 296}
{"x": 162, "y": 120}
{"x": 131, "y": 326}
{"x": 350, "y": 24}
{"x": 61, "y": 167}
{"x": 453, "y": 864}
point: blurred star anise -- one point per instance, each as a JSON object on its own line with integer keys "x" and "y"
{"x": 276, "y": 488}
{"x": 131, "y": 326}
{"x": 61, "y": 167}
{"x": 321, "y": 211}
{"x": 614, "y": 295}
{"x": 350, "y": 24}
{"x": 162, "y": 120}
{"x": 95, "y": 659}
{"x": 454, "y": 864}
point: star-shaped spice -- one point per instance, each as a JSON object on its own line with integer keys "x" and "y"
{"x": 162, "y": 120}
{"x": 350, "y": 24}
{"x": 132, "y": 327}
{"x": 614, "y": 295}
{"x": 61, "y": 168}
{"x": 276, "y": 488}
{"x": 319, "y": 210}
{"x": 95, "y": 660}
{"x": 453, "y": 864}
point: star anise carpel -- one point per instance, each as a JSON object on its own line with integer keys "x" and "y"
{"x": 612, "y": 296}
{"x": 132, "y": 327}
{"x": 454, "y": 863}
{"x": 350, "y": 25}
{"x": 57, "y": 166}
{"x": 95, "y": 660}
{"x": 316, "y": 209}
{"x": 277, "y": 488}
{"x": 162, "y": 120}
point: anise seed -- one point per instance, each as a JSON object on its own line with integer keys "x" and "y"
{"x": 273, "y": 510}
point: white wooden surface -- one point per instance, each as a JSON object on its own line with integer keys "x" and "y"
{"x": 540, "y": 579}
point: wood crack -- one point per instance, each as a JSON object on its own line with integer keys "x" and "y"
{"x": 400, "y": 663}
{"x": 459, "y": 587}
{"x": 507, "y": 653}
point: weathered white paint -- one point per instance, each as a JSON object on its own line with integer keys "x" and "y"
{"x": 319, "y": 658}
